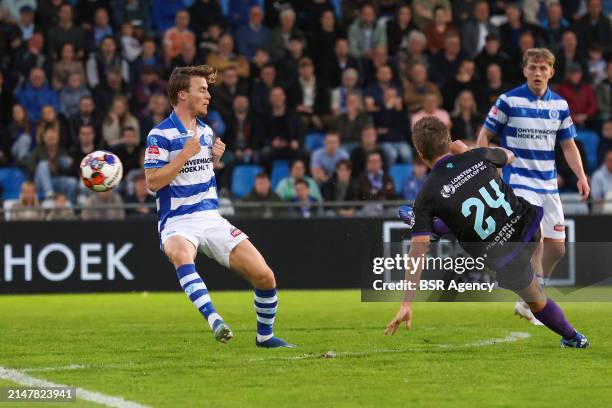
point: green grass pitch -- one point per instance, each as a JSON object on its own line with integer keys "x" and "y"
{"x": 156, "y": 350}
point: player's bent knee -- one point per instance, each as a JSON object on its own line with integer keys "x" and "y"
{"x": 180, "y": 256}
{"x": 555, "y": 250}
{"x": 560, "y": 251}
{"x": 264, "y": 280}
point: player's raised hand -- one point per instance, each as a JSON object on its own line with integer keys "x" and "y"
{"x": 583, "y": 188}
{"x": 218, "y": 149}
{"x": 403, "y": 315}
{"x": 192, "y": 146}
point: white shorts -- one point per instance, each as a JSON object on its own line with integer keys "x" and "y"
{"x": 553, "y": 221}
{"x": 209, "y": 233}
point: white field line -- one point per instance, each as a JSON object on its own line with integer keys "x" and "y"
{"x": 60, "y": 368}
{"x": 512, "y": 337}
{"x": 22, "y": 378}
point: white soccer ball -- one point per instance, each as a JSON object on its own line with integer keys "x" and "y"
{"x": 101, "y": 171}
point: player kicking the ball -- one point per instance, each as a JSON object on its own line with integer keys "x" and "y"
{"x": 179, "y": 159}
{"x": 529, "y": 120}
{"x": 465, "y": 192}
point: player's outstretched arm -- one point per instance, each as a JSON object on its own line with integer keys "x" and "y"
{"x": 418, "y": 249}
{"x": 483, "y": 137}
{"x": 161, "y": 177}
{"x": 572, "y": 156}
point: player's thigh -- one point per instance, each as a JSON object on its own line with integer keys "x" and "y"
{"x": 217, "y": 239}
{"x": 553, "y": 222}
{"x": 536, "y": 257}
{"x": 246, "y": 260}
{"x": 179, "y": 250}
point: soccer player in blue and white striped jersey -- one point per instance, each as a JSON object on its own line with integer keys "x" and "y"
{"x": 179, "y": 166}
{"x": 529, "y": 121}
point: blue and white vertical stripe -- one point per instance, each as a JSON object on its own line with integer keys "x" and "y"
{"x": 530, "y": 127}
{"x": 266, "y": 305}
{"x": 196, "y": 290}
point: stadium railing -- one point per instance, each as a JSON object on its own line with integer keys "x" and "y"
{"x": 388, "y": 209}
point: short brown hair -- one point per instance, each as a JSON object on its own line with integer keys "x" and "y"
{"x": 543, "y": 54}
{"x": 181, "y": 77}
{"x": 346, "y": 163}
{"x": 305, "y": 62}
{"x": 431, "y": 138}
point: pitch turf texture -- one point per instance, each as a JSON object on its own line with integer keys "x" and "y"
{"x": 156, "y": 350}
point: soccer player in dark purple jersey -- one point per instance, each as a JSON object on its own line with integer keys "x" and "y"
{"x": 479, "y": 209}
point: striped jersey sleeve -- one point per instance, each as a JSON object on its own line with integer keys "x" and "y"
{"x": 567, "y": 130}
{"x": 498, "y": 115}
{"x": 157, "y": 150}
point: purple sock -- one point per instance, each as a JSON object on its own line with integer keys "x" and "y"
{"x": 552, "y": 316}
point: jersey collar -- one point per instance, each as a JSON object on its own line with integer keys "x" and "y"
{"x": 532, "y": 97}
{"x": 441, "y": 161}
{"x": 179, "y": 125}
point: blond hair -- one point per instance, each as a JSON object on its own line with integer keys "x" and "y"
{"x": 539, "y": 54}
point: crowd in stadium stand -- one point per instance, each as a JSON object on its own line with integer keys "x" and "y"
{"x": 321, "y": 92}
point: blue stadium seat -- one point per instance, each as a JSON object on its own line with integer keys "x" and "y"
{"x": 313, "y": 141}
{"x": 280, "y": 170}
{"x": 243, "y": 179}
{"x": 589, "y": 140}
{"x": 337, "y": 5}
{"x": 398, "y": 173}
{"x": 11, "y": 179}
{"x": 226, "y": 3}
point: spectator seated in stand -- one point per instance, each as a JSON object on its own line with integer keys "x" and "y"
{"x": 324, "y": 160}
{"x": 368, "y": 144}
{"x": 61, "y": 209}
{"x": 128, "y": 151}
{"x": 261, "y": 193}
{"x": 93, "y": 208}
{"x": 579, "y": 96}
{"x": 306, "y": 204}
{"x": 253, "y": 35}
{"x": 605, "y": 142}
{"x": 279, "y": 133}
{"x": 601, "y": 182}
{"x": 118, "y": 118}
{"x": 341, "y": 187}
{"x": 286, "y": 187}
{"x": 351, "y": 123}
{"x": 412, "y": 184}
{"x": 141, "y": 196}
{"x": 35, "y": 94}
{"x": 393, "y": 127}
{"x": 27, "y": 208}
{"x": 374, "y": 183}
{"x": 50, "y": 165}
{"x": 466, "y": 119}
{"x": 175, "y": 37}
{"x": 70, "y": 96}
{"x": 603, "y": 94}
{"x": 431, "y": 107}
